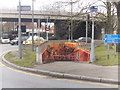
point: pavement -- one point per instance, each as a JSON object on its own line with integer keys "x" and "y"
{"x": 83, "y": 69}
{"x": 74, "y": 70}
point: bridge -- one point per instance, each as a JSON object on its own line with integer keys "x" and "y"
{"x": 61, "y": 21}
{"x": 26, "y": 16}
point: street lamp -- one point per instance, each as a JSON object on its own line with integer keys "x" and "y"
{"x": 86, "y": 27}
{"x": 19, "y": 33}
{"x": 33, "y": 25}
{"x": 103, "y": 32}
{"x": 71, "y": 21}
{"x": 47, "y": 28}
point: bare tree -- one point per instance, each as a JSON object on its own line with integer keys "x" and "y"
{"x": 117, "y": 5}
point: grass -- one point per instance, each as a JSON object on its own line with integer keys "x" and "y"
{"x": 101, "y": 56}
{"x": 28, "y": 59}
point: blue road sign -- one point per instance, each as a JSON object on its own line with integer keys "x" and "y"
{"x": 111, "y": 38}
{"x": 24, "y": 8}
{"x": 93, "y": 8}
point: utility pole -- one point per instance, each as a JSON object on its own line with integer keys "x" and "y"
{"x": 33, "y": 25}
{"x": 1, "y": 27}
{"x": 86, "y": 27}
{"x": 39, "y": 22}
{"x": 103, "y": 32}
{"x": 71, "y": 20}
{"x": 92, "y": 54}
{"x": 19, "y": 33}
{"x": 69, "y": 34}
{"x": 47, "y": 30}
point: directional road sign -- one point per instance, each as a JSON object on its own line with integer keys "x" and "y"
{"x": 93, "y": 8}
{"x": 112, "y": 38}
{"x": 24, "y": 8}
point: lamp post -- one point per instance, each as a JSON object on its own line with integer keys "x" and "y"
{"x": 71, "y": 21}
{"x": 92, "y": 54}
{"x": 33, "y": 25}
{"x": 19, "y": 33}
{"x": 69, "y": 34}
{"x": 103, "y": 32}
{"x": 47, "y": 30}
{"x": 39, "y": 24}
{"x": 86, "y": 27}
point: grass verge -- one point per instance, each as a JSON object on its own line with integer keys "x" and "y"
{"x": 28, "y": 59}
{"x": 101, "y": 56}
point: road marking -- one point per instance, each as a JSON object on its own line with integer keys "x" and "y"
{"x": 27, "y": 73}
{"x": 1, "y": 65}
{"x": 91, "y": 83}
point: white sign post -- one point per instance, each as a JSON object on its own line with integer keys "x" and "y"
{"x": 21, "y": 8}
{"x": 19, "y": 33}
{"x": 93, "y": 15}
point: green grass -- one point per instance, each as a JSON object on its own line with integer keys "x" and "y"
{"x": 101, "y": 56}
{"x": 28, "y": 59}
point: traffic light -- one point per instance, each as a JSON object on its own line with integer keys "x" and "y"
{"x": 23, "y": 28}
{"x": 88, "y": 16}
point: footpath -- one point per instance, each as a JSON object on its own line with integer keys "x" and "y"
{"x": 85, "y": 70}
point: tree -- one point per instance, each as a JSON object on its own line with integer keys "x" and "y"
{"x": 117, "y": 4}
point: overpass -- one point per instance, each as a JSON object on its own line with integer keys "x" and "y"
{"x": 61, "y": 21}
{"x": 26, "y": 16}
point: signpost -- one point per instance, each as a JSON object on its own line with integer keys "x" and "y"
{"x": 87, "y": 27}
{"x": 19, "y": 33}
{"x": 103, "y": 32}
{"x": 93, "y": 10}
{"x": 47, "y": 29}
{"x": 111, "y": 39}
{"x": 24, "y": 8}
{"x": 20, "y": 8}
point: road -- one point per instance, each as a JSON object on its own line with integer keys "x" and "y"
{"x": 12, "y": 78}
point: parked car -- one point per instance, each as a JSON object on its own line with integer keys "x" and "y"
{"x": 15, "y": 41}
{"x": 37, "y": 40}
{"x": 83, "y": 39}
{"x": 5, "y": 39}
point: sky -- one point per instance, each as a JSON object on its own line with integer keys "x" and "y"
{"x": 38, "y": 4}
{"x": 12, "y": 4}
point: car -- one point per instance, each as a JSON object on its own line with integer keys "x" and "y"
{"x": 5, "y": 39}
{"x": 37, "y": 40}
{"x": 15, "y": 41}
{"x": 83, "y": 39}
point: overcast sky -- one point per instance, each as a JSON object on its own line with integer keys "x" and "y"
{"x": 12, "y": 4}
